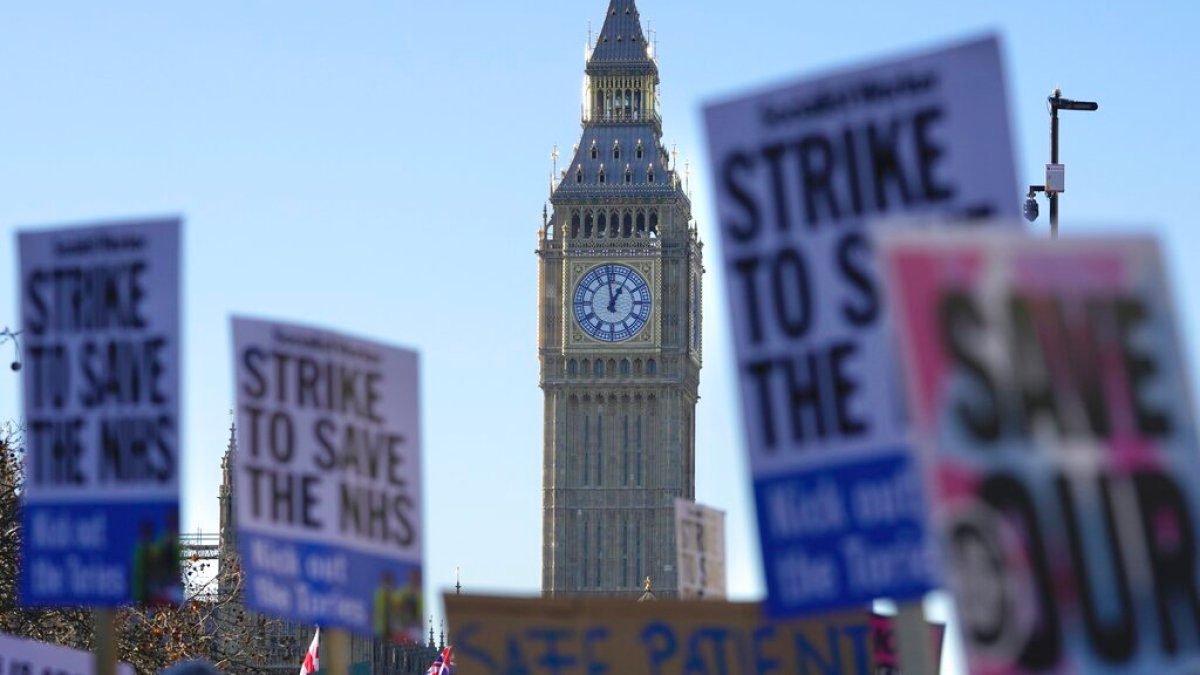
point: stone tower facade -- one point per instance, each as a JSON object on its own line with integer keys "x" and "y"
{"x": 619, "y": 335}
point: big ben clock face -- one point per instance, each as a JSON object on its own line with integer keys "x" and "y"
{"x": 612, "y": 303}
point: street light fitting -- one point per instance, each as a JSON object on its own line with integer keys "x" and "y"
{"x": 1055, "y": 177}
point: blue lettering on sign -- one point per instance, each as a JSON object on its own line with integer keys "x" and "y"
{"x": 828, "y": 659}
{"x": 659, "y": 640}
{"x": 466, "y": 650}
{"x": 319, "y": 583}
{"x": 100, "y": 554}
{"x": 835, "y": 536}
{"x": 590, "y": 654}
{"x": 552, "y": 660}
{"x": 668, "y": 650}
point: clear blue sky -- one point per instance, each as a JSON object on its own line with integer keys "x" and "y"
{"x": 380, "y": 167}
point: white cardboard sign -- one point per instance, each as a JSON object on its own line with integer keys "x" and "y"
{"x": 799, "y": 171}
{"x": 328, "y": 482}
{"x": 19, "y": 656}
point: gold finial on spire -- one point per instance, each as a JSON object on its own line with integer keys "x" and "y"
{"x": 646, "y": 585}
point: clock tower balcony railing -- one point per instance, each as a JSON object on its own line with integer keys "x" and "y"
{"x": 592, "y": 247}
{"x": 623, "y": 117}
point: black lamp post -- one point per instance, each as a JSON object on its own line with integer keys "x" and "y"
{"x": 1055, "y": 173}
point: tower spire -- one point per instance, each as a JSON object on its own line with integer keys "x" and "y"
{"x": 622, "y": 124}
{"x": 621, "y": 40}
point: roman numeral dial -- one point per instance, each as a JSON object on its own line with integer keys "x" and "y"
{"x": 612, "y": 302}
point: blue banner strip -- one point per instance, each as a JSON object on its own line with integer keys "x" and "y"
{"x": 100, "y": 554}
{"x": 838, "y": 537}
{"x": 331, "y": 586}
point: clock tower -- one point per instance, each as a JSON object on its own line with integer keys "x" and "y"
{"x": 619, "y": 334}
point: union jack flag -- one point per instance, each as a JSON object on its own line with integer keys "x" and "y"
{"x": 443, "y": 664}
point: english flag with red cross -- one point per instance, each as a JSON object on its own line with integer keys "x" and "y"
{"x": 312, "y": 660}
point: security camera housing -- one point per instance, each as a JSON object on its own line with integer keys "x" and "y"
{"x": 1031, "y": 209}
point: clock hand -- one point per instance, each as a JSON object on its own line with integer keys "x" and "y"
{"x": 612, "y": 304}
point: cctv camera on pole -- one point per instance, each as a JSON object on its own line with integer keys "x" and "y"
{"x": 1056, "y": 173}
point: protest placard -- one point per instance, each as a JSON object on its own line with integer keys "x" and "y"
{"x": 798, "y": 171}
{"x": 328, "y": 479}
{"x": 1049, "y": 392}
{"x": 19, "y": 656}
{"x": 493, "y": 635}
{"x": 699, "y": 550}
{"x": 100, "y": 321}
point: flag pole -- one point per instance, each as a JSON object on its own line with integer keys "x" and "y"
{"x": 337, "y": 651}
{"x": 104, "y": 622}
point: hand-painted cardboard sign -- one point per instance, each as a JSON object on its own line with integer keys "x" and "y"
{"x": 493, "y": 635}
{"x": 1049, "y": 391}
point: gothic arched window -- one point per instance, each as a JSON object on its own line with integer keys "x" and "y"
{"x": 572, "y": 368}
{"x": 575, "y": 225}
{"x": 624, "y": 366}
{"x": 639, "y": 151}
{"x": 651, "y": 367}
{"x": 598, "y": 368}
{"x": 616, "y": 150}
{"x": 593, "y": 151}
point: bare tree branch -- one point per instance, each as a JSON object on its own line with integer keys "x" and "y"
{"x": 210, "y": 623}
